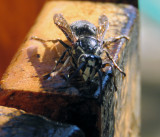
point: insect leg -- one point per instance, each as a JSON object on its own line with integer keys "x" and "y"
{"x": 60, "y": 59}
{"x": 53, "y": 41}
{"x": 100, "y": 79}
{"x": 99, "y": 94}
{"x": 64, "y": 53}
{"x": 78, "y": 69}
{"x": 113, "y": 72}
{"x": 115, "y": 64}
{"x": 42, "y": 40}
{"x": 114, "y": 39}
{"x": 52, "y": 74}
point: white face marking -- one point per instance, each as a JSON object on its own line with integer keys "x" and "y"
{"x": 91, "y": 63}
{"x": 87, "y": 71}
{"x": 92, "y": 74}
{"x": 74, "y": 52}
{"x": 85, "y": 77}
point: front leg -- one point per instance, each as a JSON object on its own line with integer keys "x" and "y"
{"x": 53, "y": 41}
{"x": 68, "y": 48}
{"x": 114, "y": 39}
{"x": 77, "y": 70}
{"x": 114, "y": 77}
{"x": 100, "y": 80}
{"x": 50, "y": 75}
{"x": 43, "y": 41}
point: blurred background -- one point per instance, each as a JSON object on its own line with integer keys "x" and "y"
{"x": 150, "y": 66}
{"x": 17, "y": 16}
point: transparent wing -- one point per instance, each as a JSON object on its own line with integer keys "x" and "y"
{"x": 102, "y": 28}
{"x": 60, "y": 21}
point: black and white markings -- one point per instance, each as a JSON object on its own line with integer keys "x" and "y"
{"x": 87, "y": 47}
{"x": 89, "y": 70}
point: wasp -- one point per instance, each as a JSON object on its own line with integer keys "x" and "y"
{"x": 87, "y": 46}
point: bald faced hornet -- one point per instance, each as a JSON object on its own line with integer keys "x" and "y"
{"x": 87, "y": 47}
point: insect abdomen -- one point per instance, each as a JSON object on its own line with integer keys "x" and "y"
{"x": 90, "y": 69}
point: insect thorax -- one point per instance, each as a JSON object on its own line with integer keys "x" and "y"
{"x": 83, "y": 28}
{"x": 86, "y": 49}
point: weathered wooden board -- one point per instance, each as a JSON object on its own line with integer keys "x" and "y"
{"x": 23, "y": 85}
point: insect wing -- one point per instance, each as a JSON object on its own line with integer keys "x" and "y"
{"x": 60, "y": 21}
{"x": 102, "y": 28}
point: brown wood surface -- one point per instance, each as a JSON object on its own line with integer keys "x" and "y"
{"x": 23, "y": 86}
